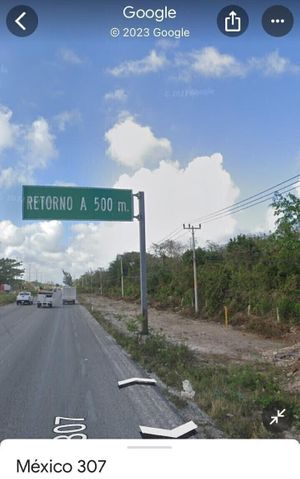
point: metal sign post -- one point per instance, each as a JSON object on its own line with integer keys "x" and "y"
{"x": 143, "y": 262}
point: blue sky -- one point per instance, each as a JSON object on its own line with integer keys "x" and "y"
{"x": 64, "y": 90}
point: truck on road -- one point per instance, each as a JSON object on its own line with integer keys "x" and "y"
{"x": 69, "y": 295}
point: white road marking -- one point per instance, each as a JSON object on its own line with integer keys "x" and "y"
{"x": 69, "y": 431}
{"x": 127, "y": 382}
{"x": 172, "y": 433}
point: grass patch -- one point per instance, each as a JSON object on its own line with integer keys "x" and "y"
{"x": 266, "y": 327}
{"x": 233, "y": 395}
{"x": 176, "y": 400}
{"x": 6, "y": 298}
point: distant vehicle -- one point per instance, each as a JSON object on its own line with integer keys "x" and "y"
{"x": 45, "y": 298}
{"x": 69, "y": 295}
{"x": 6, "y": 288}
{"x": 24, "y": 297}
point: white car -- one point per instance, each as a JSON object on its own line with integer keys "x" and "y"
{"x": 45, "y": 298}
{"x": 24, "y": 298}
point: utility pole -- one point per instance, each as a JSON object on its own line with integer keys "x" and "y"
{"x": 193, "y": 228}
{"x": 143, "y": 261}
{"x": 101, "y": 282}
{"x": 29, "y": 272}
{"x": 122, "y": 274}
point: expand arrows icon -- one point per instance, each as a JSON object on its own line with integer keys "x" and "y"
{"x": 18, "y": 21}
{"x": 279, "y": 414}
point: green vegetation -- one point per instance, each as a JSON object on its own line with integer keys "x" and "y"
{"x": 11, "y": 271}
{"x": 67, "y": 278}
{"x": 257, "y": 277}
{"x": 6, "y": 298}
{"x": 233, "y": 395}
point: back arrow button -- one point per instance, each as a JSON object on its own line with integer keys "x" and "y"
{"x": 22, "y": 20}
{"x": 17, "y": 21}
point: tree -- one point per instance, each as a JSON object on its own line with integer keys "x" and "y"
{"x": 169, "y": 249}
{"x": 10, "y": 270}
{"x": 68, "y": 280}
{"x": 287, "y": 210}
{"x": 287, "y": 234}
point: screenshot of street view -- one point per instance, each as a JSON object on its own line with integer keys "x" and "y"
{"x": 149, "y": 238}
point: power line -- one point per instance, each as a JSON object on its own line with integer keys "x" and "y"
{"x": 247, "y": 203}
{"x": 262, "y": 192}
{"x": 179, "y": 235}
{"x": 245, "y": 207}
{"x": 169, "y": 236}
{"x": 251, "y": 199}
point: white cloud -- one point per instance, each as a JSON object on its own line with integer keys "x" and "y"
{"x": 116, "y": 95}
{"x": 134, "y": 145}
{"x": 65, "y": 118}
{"x": 31, "y": 240}
{"x": 39, "y": 244}
{"x": 173, "y": 195}
{"x": 176, "y": 195}
{"x": 150, "y": 64}
{"x": 64, "y": 183}
{"x": 209, "y": 62}
{"x": 274, "y": 64}
{"x": 40, "y": 247}
{"x": 71, "y": 57}
{"x": 33, "y": 147}
{"x": 8, "y": 131}
{"x": 40, "y": 143}
{"x": 267, "y": 224}
{"x": 270, "y": 220}
{"x": 167, "y": 43}
{"x": 11, "y": 176}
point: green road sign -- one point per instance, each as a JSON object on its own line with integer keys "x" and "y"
{"x": 76, "y": 203}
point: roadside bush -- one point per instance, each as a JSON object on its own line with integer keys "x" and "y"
{"x": 6, "y": 298}
{"x": 289, "y": 309}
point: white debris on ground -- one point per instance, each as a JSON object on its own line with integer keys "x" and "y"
{"x": 188, "y": 391}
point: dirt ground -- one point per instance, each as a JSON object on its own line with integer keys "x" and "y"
{"x": 209, "y": 339}
{"x": 204, "y": 337}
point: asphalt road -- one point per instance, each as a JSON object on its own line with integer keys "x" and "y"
{"x": 60, "y": 362}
